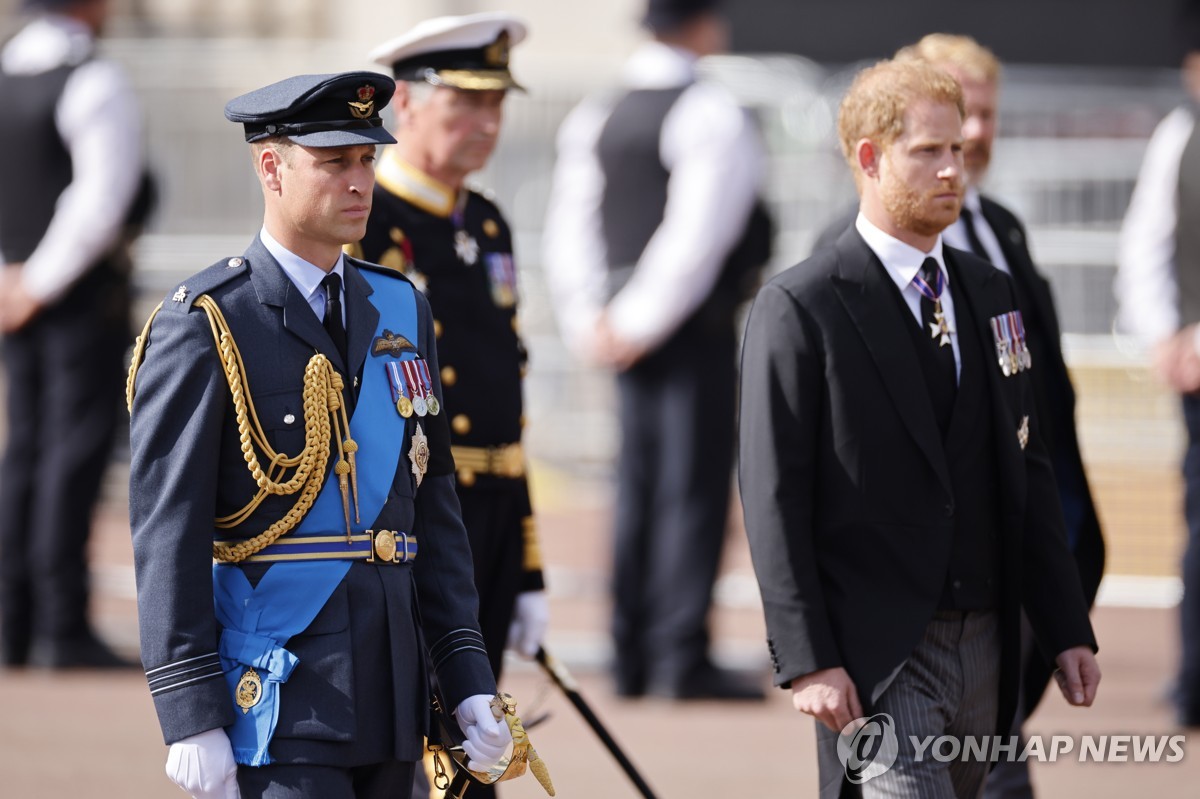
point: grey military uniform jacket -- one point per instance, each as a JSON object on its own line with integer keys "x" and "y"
{"x": 360, "y": 691}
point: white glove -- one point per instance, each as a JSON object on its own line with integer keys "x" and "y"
{"x": 203, "y": 765}
{"x": 531, "y": 616}
{"x": 486, "y": 737}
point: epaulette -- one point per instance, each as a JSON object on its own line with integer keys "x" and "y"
{"x": 180, "y": 298}
{"x": 358, "y": 263}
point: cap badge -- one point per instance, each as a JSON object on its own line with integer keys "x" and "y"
{"x": 365, "y": 105}
{"x": 496, "y": 53}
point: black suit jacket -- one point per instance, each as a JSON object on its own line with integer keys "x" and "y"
{"x": 1055, "y": 401}
{"x": 847, "y": 495}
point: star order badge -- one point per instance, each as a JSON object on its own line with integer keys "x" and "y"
{"x": 418, "y": 453}
{"x": 465, "y": 247}
{"x": 1023, "y": 432}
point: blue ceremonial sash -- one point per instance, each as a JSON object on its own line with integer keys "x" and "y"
{"x": 259, "y": 620}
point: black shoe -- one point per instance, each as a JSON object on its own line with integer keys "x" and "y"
{"x": 710, "y": 682}
{"x": 88, "y": 652}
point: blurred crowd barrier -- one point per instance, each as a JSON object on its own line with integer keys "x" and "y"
{"x": 1071, "y": 141}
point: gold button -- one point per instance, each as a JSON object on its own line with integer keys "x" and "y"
{"x": 461, "y": 424}
{"x": 466, "y": 477}
{"x": 522, "y": 421}
{"x": 396, "y": 235}
{"x": 516, "y": 326}
{"x": 449, "y": 376}
{"x": 437, "y": 329}
{"x": 491, "y": 228}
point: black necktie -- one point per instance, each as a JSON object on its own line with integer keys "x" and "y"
{"x": 968, "y": 219}
{"x": 333, "y": 315}
{"x": 930, "y": 271}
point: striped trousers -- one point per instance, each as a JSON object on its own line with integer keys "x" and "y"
{"x": 949, "y": 686}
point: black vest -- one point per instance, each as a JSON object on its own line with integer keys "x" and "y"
{"x": 635, "y": 199}
{"x": 35, "y": 167}
{"x": 965, "y": 418}
{"x": 1187, "y": 232}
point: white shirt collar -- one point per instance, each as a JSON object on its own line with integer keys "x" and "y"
{"x": 901, "y": 260}
{"x": 48, "y": 42}
{"x": 305, "y": 276}
{"x": 655, "y": 65}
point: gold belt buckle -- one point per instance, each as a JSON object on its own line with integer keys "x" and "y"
{"x": 383, "y": 546}
{"x": 388, "y": 546}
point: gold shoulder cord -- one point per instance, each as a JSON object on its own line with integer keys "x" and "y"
{"x": 324, "y": 411}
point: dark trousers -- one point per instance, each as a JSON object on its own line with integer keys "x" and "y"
{"x": 64, "y": 376}
{"x": 1188, "y": 689}
{"x": 673, "y": 480}
{"x": 494, "y": 511}
{"x": 390, "y": 780}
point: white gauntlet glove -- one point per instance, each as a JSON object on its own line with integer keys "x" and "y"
{"x": 486, "y": 737}
{"x": 203, "y": 766}
{"x": 531, "y": 616}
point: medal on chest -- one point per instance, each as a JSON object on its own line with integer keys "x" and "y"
{"x": 465, "y": 245}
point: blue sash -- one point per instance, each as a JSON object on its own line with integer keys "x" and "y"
{"x": 258, "y": 621}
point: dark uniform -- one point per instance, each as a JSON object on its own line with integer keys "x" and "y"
{"x": 356, "y": 695}
{"x": 454, "y": 244}
{"x": 459, "y": 253}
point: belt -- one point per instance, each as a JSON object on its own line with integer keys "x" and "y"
{"x": 507, "y": 460}
{"x": 373, "y": 546}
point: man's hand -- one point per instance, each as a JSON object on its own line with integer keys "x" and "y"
{"x": 1078, "y": 675}
{"x": 829, "y": 696}
{"x": 486, "y": 736}
{"x": 17, "y": 306}
{"x": 1177, "y": 363}
{"x": 612, "y": 350}
{"x": 531, "y": 616}
{"x": 203, "y": 766}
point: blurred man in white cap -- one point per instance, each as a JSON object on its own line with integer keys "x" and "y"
{"x": 452, "y": 77}
{"x": 652, "y": 232}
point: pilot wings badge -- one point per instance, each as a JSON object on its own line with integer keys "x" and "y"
{"x": 391, "y": 344}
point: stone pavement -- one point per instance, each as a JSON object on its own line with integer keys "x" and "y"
{"x": 94, "y": 735}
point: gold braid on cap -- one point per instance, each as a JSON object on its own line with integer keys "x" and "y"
{"x": 324, "y": 415}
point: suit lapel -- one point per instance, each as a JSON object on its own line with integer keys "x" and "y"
{"x": 984, "y": 291}
{"x": 362, "y": 315}
{"x": 274, "y": 288}
{"x": 1032, "y": 294}
{"x": 865, "y": 290}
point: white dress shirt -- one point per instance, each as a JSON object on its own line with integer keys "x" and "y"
{"x": 956, "y": 234}
{"x": 716, "y": 162}
{"x": 1147, "y": 294}
{"x": 305, "y": 276}
{"x": 902, "y": 262}
{"x": 98, "y": 119}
